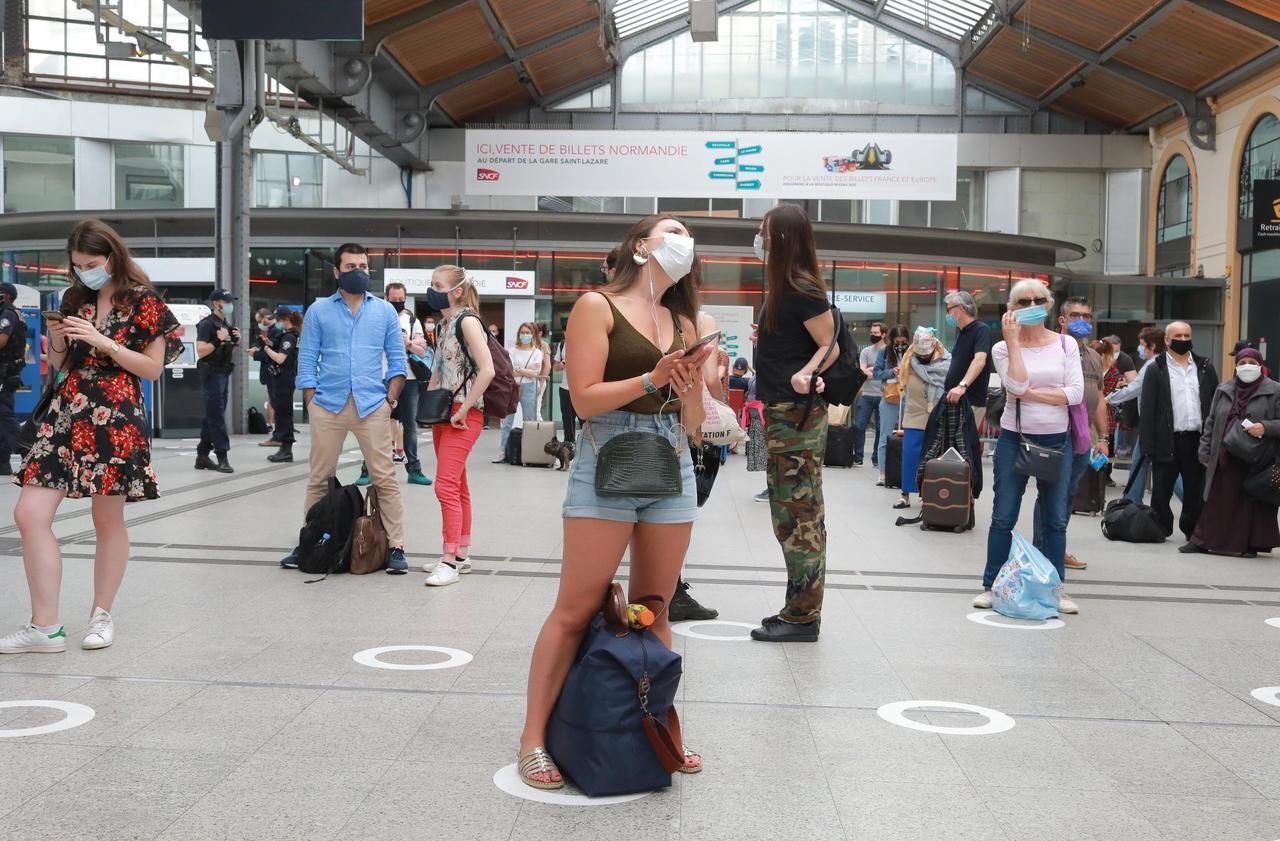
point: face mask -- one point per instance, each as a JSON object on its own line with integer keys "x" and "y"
{"x": 398, "y": 306}
{"x": 875, "y": 338}
{"x": 1248, "y": 373}
{"x": 94, "y": 278}
{"x": 429, "y": 326}
{"x": 1031, "y": 315}
{"x": 227, "y": 309}
{"x": 951, "y": 321}
{"x": 525, "y": 338}
{"x": 900, "y": 347}
{"x": 354, "y": 282}
{"x": 758, "y": 247}
{"x": 1079, "y": 328}
{"x": 675, "y": 255}
{"x": 438, "y": 300}
{"x": 1142, "y": 352}
{"x": 1180, "y": 346}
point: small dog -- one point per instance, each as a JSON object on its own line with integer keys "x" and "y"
{"x": 561, "y": 450}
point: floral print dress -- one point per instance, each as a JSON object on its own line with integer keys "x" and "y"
{"x": 95, "y": 440}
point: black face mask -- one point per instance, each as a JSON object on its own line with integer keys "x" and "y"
{"x": 354, "y": 282}
{"x": 438, "y": 300}
{"x": 900, "y": 348}
{"x": 875, "y": 339}
{"x": 398, "y": 306}
{"x": 1180, "y": 346}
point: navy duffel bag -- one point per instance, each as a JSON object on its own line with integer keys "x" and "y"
{"x": 614, "y": 729}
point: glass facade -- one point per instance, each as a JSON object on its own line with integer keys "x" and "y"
{"x": 149, "y": 175}
{"x": 789, "y": 50}
{"x": 596, "y": 99}
{"x": 39, "y": 173}
{"x": 1174, "y": 207}
{"x": 287, "y": 179}
{"x": 1260, "y": 161}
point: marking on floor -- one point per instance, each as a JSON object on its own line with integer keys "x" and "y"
{"x": 508, "y": 780}
{"x": 689, "y": 629}
{"x": 369, "y": 657}
{"x": 997, "y": 722}
{"x": 76, "y": 715}
{"x": 1268, "y": 695}
{"x": 985, "y": 618}
{"x": 1275, "y": 623}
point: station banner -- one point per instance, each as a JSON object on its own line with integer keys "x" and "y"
{"x": 735, "y": 325}
{"x": 490, "y": 283}
{"x": 696, "y": 164}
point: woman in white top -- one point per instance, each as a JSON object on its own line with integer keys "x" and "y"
{"x": 526, "y": 360}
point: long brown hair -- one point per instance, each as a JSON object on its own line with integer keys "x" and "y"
{"x": 681, "y": 299}
{"x": 95, "y": 237}
{"x": 793, "y": 261}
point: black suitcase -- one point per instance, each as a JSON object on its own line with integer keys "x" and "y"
{"x": 946, "y": 495}
{"x": 893, "y": 461}
{"x": 1091, "y": 492}
{"x": 515, "y": 446}
{"x": 839, "y": 447}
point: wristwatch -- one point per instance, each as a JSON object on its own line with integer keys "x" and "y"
{"x": 115, "y": 347}
{"x": 964, "y": 385}
{"x": 649, "y": 387}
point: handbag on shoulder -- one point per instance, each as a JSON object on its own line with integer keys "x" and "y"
{"x": 1032, "y": 460}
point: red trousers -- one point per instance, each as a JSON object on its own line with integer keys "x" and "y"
{"x": 452, "y": 447}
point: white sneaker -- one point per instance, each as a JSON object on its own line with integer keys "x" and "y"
{"x": 28, "y": 639}
{"x": 1065, "y": 605}
{"x": 463, "y": 566}
{"x": 444, "y": 575}
{"x": 101, "y": 633}
{"x": 982, "y": 601}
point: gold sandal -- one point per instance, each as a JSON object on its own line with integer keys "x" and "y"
{"x": 538, "y": 761}
{"x": 686, "y": 768}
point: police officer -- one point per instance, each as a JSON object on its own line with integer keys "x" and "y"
{"x": 13, "y": 350}
{"x": 282, "y": 356}
{"x": 216, "y": 341}
{"x": 268, "y": 333}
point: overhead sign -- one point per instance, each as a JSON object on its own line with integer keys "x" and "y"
{"x": 735, "y": 325}
{"x": 868, "y": 302}
{"x": 1266, "y": 214}
{"x": 695, "y": 164}
{"x": 489, "y": 283}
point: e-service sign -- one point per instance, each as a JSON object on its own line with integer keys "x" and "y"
{"x": 692, "y": 164}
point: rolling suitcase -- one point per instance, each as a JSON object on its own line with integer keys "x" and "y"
{"x": 839, "y": 447}
{"x": 1091, "y": 493}
{"x": 515, "y": 439}
{"x": 946, "y": 495}
{"x": 893, "y": 460}
{"x": 533, "y": 444}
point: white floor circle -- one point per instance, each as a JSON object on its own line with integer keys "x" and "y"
{"x": 1268, "y": 695}
{"x": 77, "y": 714}
{"x": 508, "y": 780}
{"x": 1275, "y": 623}
{"x": 984, "y": 617}
{"x": 690, "y": 629}
{"x": 369, "y": 657}
{"x": 997, "y": 722}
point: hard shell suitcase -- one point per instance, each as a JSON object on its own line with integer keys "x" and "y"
{"x": 1091, "y": 493}
{"x": 533, "y": 443}
{"x": 893, "y": 461}
{"x": 946, "y": 495}
{"x": 839, "y": 447}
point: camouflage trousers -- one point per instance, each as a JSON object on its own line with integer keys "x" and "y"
{"x": 795, "y": 502}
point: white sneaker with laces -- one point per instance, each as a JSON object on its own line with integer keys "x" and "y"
{"x": 1065, "y": 605}
{"x": 982, "y": 601}
{"x": 444, "y": 575}
{"x": 30, "y": 640}
{"x": 101, "y": 633}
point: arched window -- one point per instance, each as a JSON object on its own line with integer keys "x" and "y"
{"x": 1260, "y": 161}
{"x": 1174, "y": 208}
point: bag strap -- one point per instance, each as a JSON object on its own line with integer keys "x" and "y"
{"x": 666, "y": 740}
{"x": 837, "y": 319}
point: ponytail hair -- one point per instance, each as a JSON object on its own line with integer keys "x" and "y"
{"x": 458, "y": 276}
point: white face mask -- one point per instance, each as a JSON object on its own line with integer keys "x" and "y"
{"x": 758, "y": 247}
{"x": 675, "y": 255}
{"x": 1248, "y": 373}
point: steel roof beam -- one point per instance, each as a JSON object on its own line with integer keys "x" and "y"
{"x": 1262, "y": 25}
{"x": 376, "y": 33}
{"x": 1246, "y": 71}
{"x": 504, "y": 41}
{"x": 633, "y": 44}
{"x": 890, "y": 22}
{"x": 480, "y": 70}
{"x": 1023, "y": 101}
{"x": 580, "y": 87}
{"x": 1095, "y": 60}
{"x": 985, "y": 29}
{"x": 880, "y": 4}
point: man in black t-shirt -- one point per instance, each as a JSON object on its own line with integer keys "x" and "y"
{"x": 971, "y": 356}
{"x": 216, "y": 342}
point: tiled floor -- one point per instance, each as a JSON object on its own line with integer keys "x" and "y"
{"x": 230, "y": 706}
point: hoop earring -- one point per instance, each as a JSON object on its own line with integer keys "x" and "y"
{"x": 641, "y": 256}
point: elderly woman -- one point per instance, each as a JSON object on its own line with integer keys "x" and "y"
{"x": 1042, "y": 376}
{"x": 923, "y": 378}
{"x": 1232, "y": 522}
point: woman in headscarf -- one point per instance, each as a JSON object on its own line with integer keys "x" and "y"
{"x": 1233, "y": 522}
{"x": 923, "y": 375}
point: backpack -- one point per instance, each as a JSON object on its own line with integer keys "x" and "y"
{"x": 845, "y": 377}
{"x": 257, "y": 424}
{"x": 324, "y": 541}
{"x": 369, "y": 542}
{"x": 1131, "y": 522}
{"x": 503, "y": 395}
{"x": 608, "y": 734}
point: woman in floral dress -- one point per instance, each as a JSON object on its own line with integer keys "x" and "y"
{"x": 94, "y": 440}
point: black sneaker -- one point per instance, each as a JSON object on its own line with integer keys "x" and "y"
{"x": 774, "y": 629}
{"x": 857, "y": 462}
{"x": 290, "y": 561}
{"x": 1190, "y": 548}
{"x": 685, "y": 608}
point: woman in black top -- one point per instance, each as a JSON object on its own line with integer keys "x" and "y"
{"x": 283, "y": 356}
{"x": 796, "y": 328}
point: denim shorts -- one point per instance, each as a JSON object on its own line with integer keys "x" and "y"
{"x": 581, "y": 499}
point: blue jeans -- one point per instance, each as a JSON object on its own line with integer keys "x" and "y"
{"x": 213, "y": 431}
{"x": 408, "y": 412}
{"x": 912, "y": 449}
{"x": 1139, "y": 467}
{"x": 888, "y": 420}
{"x": 865, "y": 410}
{"x": 1079, "y": 464}
{"x": 1009, "y": 488}
{"x": 529, "y": 408}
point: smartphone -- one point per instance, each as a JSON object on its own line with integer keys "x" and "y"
{"x": 704, "y": 341}
{"x": 53, "y": 315}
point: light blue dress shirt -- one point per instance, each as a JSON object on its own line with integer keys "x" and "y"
{"x": 341, "y": 356}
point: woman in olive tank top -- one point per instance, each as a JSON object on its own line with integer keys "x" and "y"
{"x": 627, "y": 371}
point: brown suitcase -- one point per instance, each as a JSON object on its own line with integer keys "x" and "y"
{"x": 946, "y": 495}
{"x": 1091, "y": 493}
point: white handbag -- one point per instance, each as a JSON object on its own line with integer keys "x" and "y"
{"x": 721, "y": 426}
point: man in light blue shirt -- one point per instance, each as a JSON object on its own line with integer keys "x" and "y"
{"x": 340, "y": 371}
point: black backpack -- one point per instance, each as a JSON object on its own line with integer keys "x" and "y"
{"x": 257, "y": 424}
{"x": 324, "y": 542}
{"x": 1131, "y": 522}
{"x": 845, "y": 377}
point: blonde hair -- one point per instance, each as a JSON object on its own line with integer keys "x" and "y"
{"x": 1029, "y": 287}
{"x": 535, "y": 334}
{"x": 460, "y": 277}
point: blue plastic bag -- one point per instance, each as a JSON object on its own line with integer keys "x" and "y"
{"x": 1028, "y": 585}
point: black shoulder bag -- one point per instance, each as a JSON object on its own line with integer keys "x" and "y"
{"x": 1034, "y": 461}
{"x": 31, "y": 426}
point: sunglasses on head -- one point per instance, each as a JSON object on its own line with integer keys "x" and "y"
{"x": 1027, "y": 302}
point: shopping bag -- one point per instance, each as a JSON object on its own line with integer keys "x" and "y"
{"x": 1028, "y": 585}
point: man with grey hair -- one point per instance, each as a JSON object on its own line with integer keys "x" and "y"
{"x": 971, "y": 356}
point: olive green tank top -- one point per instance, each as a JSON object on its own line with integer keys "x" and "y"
{"x": 631, "y": 354}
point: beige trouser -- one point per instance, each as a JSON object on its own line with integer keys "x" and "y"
{"x": 329, "y": 433}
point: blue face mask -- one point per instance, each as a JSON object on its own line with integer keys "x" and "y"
{"x": 1079, "y": 328}
{"x": 94, "y": 278}
{"x": 1142, "y": 351}
{"x": 951, "y": 321}
{"x": 1031, "y": 315}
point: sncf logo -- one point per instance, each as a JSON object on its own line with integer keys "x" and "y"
{"x": 517, "y": 283}
{"x": 487, "y": 175}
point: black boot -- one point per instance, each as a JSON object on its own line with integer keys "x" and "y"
{"x": 685, "y": 608}
{"x": 223, "y": 465}
{"x": 775, "y": 629}
{"x": 285, "y": 453}
{"x": 203, "y": 462}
